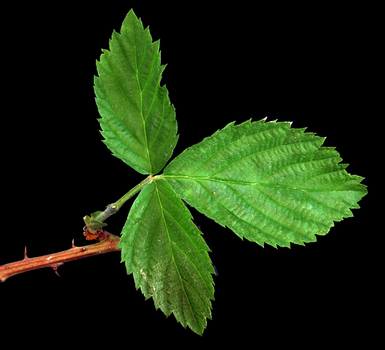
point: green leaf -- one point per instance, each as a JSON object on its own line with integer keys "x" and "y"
{"x": 167, "y": 255}
{"x": 138, "y": 123}
{"x": 266, "y": 182}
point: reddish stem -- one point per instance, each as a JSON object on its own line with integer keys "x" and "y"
{"x": 108, "y": 243}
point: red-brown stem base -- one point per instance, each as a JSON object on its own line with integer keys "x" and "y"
{"x": 108, "y": 243}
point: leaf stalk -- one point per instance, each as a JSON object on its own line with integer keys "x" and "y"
{"x": 111, "y": 209}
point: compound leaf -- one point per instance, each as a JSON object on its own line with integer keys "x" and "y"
{"x": 167, "y": 255}
{"x": 266, "y": 182}
{"x": 138, "y": 123}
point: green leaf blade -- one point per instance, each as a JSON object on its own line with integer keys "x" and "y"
{"x": 168, "y": 257}
{"x": 266, "y": 182}
{"x": 138, "y": 122}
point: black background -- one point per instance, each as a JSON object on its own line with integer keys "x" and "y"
{"x": 310, "y": 65}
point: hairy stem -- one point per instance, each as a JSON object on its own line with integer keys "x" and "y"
{"x": 108, "y": 243}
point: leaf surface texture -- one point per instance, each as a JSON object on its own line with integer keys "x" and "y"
{"x": 167, "y": 255}
{"x": 267, "y": 182}
{"x": 138, "y": 122}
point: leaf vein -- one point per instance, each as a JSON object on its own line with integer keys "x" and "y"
{"x": 170, "y": 246}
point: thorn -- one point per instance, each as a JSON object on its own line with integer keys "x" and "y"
{"x": 73, "y": 244}
{"x": 25, "y": 253}
{"x": 55, "y": 267}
